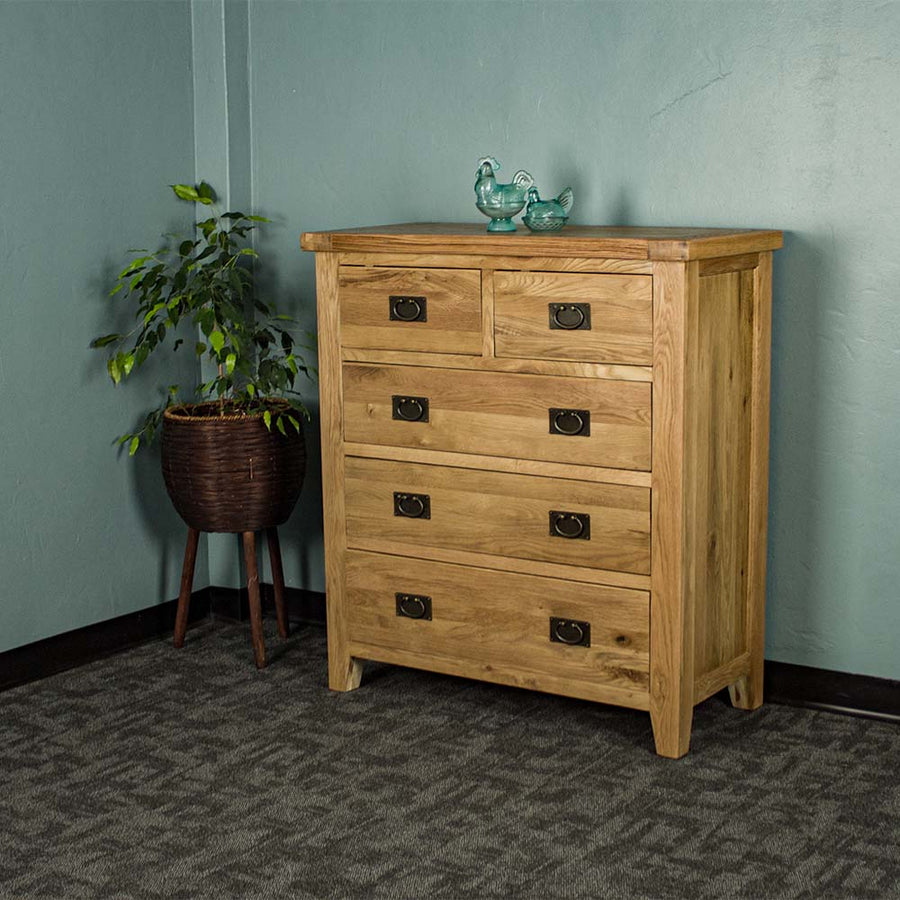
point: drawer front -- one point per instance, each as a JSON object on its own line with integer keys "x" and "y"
{"x": 586, "y": 421}
{"x": 436, "y": 310}
{"x": 600, "y": 526}
{"x": 499, "y": 619}
{"x": 558, "y": 315}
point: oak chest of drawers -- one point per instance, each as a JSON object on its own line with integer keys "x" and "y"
{"x": 545, "y": 459}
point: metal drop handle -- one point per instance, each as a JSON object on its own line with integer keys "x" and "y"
{"x": 413, "y": 606}
{"x": 570, "y": 525}
{"x": 570, "y": 316}
{"x": 412, "y": 506}
{"x": 570, "y": 631}
{"x": 570, "y": 422}
{"x": 408, "y": 309}
{"x": 409, "y": 409}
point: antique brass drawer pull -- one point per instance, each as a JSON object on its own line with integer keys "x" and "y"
{"x": 570, "y": 316}
{"x": 413, "y": 606}
{"x": 412, "y": 506}
{"x": 409, "y": 409}
{"x": 570, "y": 422}
{"x": 571, "y": 632}
{"x": 408, "y": 309}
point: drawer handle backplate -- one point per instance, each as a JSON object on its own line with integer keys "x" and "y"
{"x": 409, "y": 409}
{"x": 412, "y": 506}
{"x": 570, "y": 631}
{"x": 408, "y": 309}
{"x": 570, "y": 525}
{"x": 570, "y": 316}
{"x": 570, "y": 422}
{"x": 413, "y": 606}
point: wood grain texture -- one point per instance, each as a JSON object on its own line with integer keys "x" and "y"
{"x": 573, "y": 241}
{"x": 747, "y": 692}
{"x": 486, "y": 364}
{"x": 499, "y": 414}
{"x": 716, "y": 518}
{"x": 724, "y": 676}
{"x": 675, "y": 294}
{"x": 489, "y": 263}
{"x": 620, "y": 309}
{"x": 509, "y": 675}
{"x": 344, "y": 672}
{"x": 499, "y": 513}
{"x": 500, "y": 464}
{"x": 480, "y": 560}
{"x": 500, "y": 619}
{"x": 453, "y": 297}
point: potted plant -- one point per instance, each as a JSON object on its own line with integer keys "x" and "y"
{"x": 233, "y": 456}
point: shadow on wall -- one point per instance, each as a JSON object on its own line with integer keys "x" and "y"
{"x": 159, "y": 519}
{"x": 801, "y": 286}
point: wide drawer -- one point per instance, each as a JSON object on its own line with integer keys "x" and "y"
{"x": 602, "y": 526}
{"x": 497, "y": 620}
{"x": 562, "y": 315}
{"x": 411, "y": 309}
{"x": 586, "y": 421}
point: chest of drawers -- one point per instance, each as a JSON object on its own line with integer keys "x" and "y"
{"x": 545, "y": 459}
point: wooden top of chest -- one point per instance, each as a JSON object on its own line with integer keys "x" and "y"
{"x": 574, "y": 240}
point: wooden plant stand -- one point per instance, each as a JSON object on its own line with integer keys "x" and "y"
{"x": 248, "y": 539}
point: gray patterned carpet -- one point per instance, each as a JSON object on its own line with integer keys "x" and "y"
{"x": 165, "y": 774}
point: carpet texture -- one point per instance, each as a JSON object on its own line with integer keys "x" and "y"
{"x": 188, "y": 774}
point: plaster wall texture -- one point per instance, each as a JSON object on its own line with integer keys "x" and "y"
{"x": 756, "y": 114}
{"x": 96, "y": 117}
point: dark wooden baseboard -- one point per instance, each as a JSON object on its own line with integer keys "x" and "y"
{"x": 83, "y": 645}
{"x": 838, "y": 692}
{"x": 233, "y": 604}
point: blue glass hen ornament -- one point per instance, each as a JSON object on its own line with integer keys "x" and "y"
{"x": 547, "y": 215}
{"x": 500, "y": 202}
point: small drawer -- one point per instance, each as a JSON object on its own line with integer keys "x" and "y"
{"x": 559, "y": 630}
{"x": 437, "y": 310}
{"x": 580, "y": 523}
{"x": 586, "y": 421}
{"x": 562, "y": 315}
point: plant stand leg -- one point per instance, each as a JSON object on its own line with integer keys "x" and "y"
{"x": 187, "y": 581}
{"x": 277, "y": 580}
{"x": 256, "y": 632}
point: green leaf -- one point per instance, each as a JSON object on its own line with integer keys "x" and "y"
{"x": 186, "y": 192}
{"x": 132, "y": 447}
{"x": 117, "y": 288}
{"x": 258, "y": 219}
{"x": 295, "y": 423}
{"x": 153, "y": 311}
{"x": 217, "y": 339}
{"x": 205, "y": 191}
{"x": 127, "y": 364}
{"x": 230, "y": 360}
{"x": 185, "y": 248}
{"x": 267, "y": 419}
{"x": 251, "y": 390}
{"x": 105, "y": 340}
{"x": 113, "y": 368}
{"x": 249, "y": 251}
{"x": 200, "y": 348}
{"x": 280, "y": 423}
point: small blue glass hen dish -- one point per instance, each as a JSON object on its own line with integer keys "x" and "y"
{"x": 547, "y": 215}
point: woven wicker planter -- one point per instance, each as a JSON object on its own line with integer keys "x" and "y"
{"x": 230, "y": 474}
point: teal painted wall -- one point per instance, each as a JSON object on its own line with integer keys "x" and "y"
{"x": 701, "y": 113}
{"x": 694, "y": 113}
{"x": 96, "y": 113}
